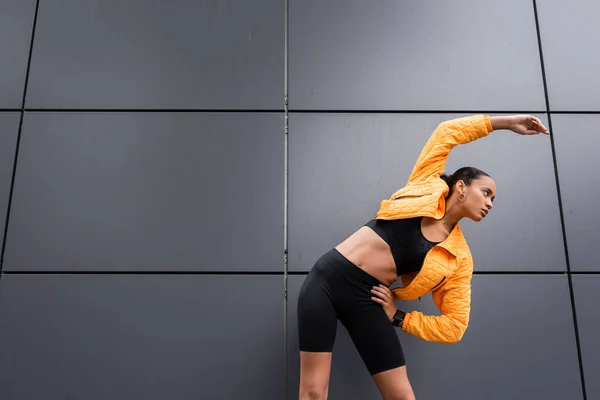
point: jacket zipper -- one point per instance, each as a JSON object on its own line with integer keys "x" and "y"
{"x": 443, "y": 279}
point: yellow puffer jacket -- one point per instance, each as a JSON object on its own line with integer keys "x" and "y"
{"x": 448, "y": 267}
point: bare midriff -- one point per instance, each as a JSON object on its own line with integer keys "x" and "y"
{"x": 369, "y": 252}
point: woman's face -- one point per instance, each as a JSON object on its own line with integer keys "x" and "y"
{"x": 479, "y": 197}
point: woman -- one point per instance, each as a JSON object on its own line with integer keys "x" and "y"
{"x": 415, "y": 236}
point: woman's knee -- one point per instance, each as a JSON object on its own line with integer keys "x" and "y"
{"x": 402, "y": 394}
{"x": 314, "y": 375}
{"x": 313, "y": 392}
{"x": 399, "y": 392}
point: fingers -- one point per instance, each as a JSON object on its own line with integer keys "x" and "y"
{"x": 537, "y": 126}
{"x": 531, "y": 126}
{"x": 382, "y": 292}
{"x": 383, "y": 296}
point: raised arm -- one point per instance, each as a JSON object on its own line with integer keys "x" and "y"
{"x": 432, "y": 160}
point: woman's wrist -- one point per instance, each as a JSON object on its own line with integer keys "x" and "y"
{"x": 502, "y": 122}
{"x": 398, "y": 319}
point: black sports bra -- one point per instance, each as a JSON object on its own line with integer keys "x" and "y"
{"x": 405, "y": 238}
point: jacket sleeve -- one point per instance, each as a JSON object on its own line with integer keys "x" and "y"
{"x": 432, "y": 160}
{"x": 453, "y": 300}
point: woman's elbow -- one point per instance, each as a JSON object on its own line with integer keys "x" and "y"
{"x": 457, "y": 334}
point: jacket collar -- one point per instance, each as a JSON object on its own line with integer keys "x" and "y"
{"x": 454, "y": 241}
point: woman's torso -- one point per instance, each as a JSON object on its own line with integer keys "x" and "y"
{"x": 369, "y": 251}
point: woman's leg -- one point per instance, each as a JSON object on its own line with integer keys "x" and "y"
{"x": 393, "y": 384}
{"x": 314, "y": 375}
{"x": 377, "y": 342}
{"x": 317, "y": 324}
{"x": 374, "y": 336}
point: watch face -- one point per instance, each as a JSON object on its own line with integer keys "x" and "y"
{"x": 398, "y": 318}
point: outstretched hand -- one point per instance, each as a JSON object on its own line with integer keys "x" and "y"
{"x": 527, "y": 125}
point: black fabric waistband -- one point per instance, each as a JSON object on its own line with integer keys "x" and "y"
{"x": 350, "y": 270}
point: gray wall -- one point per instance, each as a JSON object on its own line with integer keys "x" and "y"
{"x": 150, "y": 190}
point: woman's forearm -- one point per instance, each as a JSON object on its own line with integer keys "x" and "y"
{"x": 502, "y": 122}
{"x": 521, "y": 124}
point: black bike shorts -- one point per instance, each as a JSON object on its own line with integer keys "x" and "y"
{"x": 336, "y": 289}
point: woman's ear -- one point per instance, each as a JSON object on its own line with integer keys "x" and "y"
{"x": 461, "y": 187}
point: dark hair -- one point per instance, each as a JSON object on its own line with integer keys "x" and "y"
{"x": 465, "y": 174}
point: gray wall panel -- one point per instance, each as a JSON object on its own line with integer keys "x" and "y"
{"x": 433, "y": 55}
{"x": 9, "y": 130}
{"x": 577, "y": 138}
{"x": 154, "y": 145}
{"x": 16, "y": 24}
{"x": 177, "y": 54}
{"x": 343, "y": 165}
{"x": 148, "y": 191}
{"x": 509, "y": 351}
{"x": 149, "y": 336}
{"x": 586, "y": 289}
{"x": 570, "y": 34}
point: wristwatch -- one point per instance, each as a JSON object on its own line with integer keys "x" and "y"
{"x": 398, "y": 318}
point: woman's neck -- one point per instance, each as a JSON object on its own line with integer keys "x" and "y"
{"x": 451, "y": 217}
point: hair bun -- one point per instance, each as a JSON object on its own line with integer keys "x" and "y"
{"x": 446, "y": 178}
{"x": 465, "y": 174}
